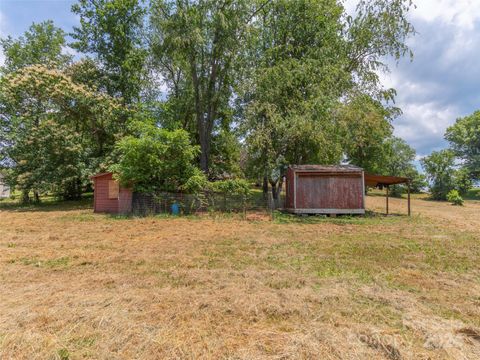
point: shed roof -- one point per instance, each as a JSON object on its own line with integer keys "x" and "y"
{"x": 376, "y": 180}
{"x": 100, "y": 174}
{"x": 326, "y": 168}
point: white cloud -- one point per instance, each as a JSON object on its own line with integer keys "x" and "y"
{"x": 423, "y": 125}
{"x": 350, "y": 6}
{"x": 441, "y": 84}
{"x": 461, "y": 13}
{"x": 67, "y": 50}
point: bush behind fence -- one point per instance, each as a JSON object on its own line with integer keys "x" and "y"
{"x": 144, "y": 204}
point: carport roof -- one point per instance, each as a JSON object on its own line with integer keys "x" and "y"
{"x": 382, "y": 180}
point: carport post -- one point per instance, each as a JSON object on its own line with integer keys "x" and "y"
{"x": 408, "y": 186}
{"x": 388, "y": 187}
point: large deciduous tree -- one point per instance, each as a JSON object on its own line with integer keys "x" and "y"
{"x": 310, "y": 58}
{"x": 42, "y": 43}
{"x": 53, "y": 132}
{"x": 197, "y": 46}
{"x": 296, "y": 83}
{"x": 112, "y": 32}
{"x": 464, "y": 138}
{"x": 440, "y": 169}
{"x": 367, "y": 126}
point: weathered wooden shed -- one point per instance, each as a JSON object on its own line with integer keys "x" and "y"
{"x": 322, "y": 189}
{"x": 109, "y": 196}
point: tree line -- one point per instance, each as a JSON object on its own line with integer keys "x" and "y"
{"x": 168, "y": 93}
{"x": 451, "y": 172}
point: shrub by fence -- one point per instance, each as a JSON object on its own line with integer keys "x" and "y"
{"x": 144, "y": 204}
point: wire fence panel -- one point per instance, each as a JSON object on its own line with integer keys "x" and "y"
{"x": 144, "y": 204}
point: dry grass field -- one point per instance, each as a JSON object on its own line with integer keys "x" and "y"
{"x": 74, "y": 285}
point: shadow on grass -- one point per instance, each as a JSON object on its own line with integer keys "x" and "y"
{"x": 370, "y": 217}
{"x": 48, "y": 204}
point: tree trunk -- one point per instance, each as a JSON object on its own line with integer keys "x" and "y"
{"x": 25, "y": 196}
{"x": 274, "y": 189}
{"x": 202, "y": 122}
{"x": 280, "y": 186}
{"x": 204, "y": 150}
{"x": 265, "y": 186}
{"x": 36, "y": 196}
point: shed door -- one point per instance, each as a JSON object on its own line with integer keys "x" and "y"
{"x": 325, "y": 191}
{"x": 113, "y": 189}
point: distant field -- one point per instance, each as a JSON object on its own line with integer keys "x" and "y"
{"x": 74, "y": 285}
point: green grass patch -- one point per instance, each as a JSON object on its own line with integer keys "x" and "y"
{"x": 56, "y": 263}
{"x": 48, "y": 203}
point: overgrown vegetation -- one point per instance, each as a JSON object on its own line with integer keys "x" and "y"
{"x": 246, "y": 91}
{"x": 454, "y": 197}
{"x": 153, "y": 159}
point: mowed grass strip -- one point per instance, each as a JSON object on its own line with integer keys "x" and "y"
{"x": 79, "y": 285}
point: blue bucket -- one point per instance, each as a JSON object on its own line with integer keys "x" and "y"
{"x": 175, "y": 209}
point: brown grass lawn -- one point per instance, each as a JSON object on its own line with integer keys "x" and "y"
{"x": 74, "y": 285}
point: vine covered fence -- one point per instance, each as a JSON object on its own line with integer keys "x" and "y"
{"x": 144, "y": 204}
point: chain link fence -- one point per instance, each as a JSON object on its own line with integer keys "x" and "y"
{"x": 144, "y": 204}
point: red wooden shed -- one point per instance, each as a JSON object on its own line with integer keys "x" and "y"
{"x": 109, "y": 196}
{"x": 322, "y": 189}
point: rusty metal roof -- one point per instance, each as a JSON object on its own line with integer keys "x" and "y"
{"x": 376, "y": 180}
{"x": 326, "y": 168}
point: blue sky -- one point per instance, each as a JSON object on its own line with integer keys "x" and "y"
{"x": 440, "y": 85}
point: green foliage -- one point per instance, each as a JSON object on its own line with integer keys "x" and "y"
{"x": 112, "y": 30}
{"x": 454, "y": 197}
{"x": 380, "y": 29}
{"x": 55, "y": 132}
{"x": 196, "y": 184}
{"x": 390, "y": 156}
{"x": 464, "y": 137}
{"x": 231, "y": 187}
{"x": 398, "y": 157}
{"x": 63, "y": 354}
{"x": 463, "y": 180}
{"x": 296, "y": 111}
{"x": 397, "y": 160}
{"x": 197, "y": 48}
{"x": 225, "y": 155}
{"x": 199, "y": 183}
{"x": 367, "y": 127}
{"x": 41, "y": 44}
{"x": 439, "y": 167}
{"x": 286, "y": 118}
{"x": 51, "y": 159}
{"x": 87, "y": 72}
{"x": 155, "y": 159}
{"x": 418, "y": 181}
{"x": 257, "y": 83}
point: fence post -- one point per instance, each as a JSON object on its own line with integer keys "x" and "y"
{"x": 244, "y": 204}
{"x": 271, "y": 206}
